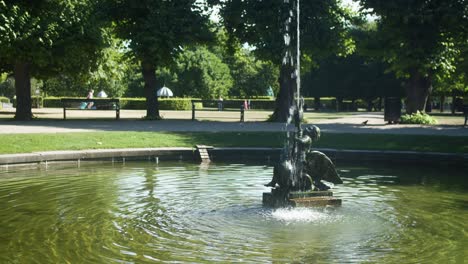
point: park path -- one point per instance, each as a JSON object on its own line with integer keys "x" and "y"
{"x": 178, "y": 121}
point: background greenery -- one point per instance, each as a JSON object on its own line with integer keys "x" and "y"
{"x": 412, "y": 49}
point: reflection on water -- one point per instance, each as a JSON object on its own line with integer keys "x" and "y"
{"x": 179, "y": 212}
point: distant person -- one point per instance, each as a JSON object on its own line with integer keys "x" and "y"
{"x": 90, "y": 96}
{"x": 220, "y": 104}
{"x": 102, "y": 94}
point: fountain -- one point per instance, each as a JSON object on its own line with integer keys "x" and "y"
{"x": 297, "y": 179}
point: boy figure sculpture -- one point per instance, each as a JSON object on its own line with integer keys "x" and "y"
{"x": 316, "y": 166}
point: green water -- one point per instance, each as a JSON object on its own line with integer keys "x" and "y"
{"x": 188, "y": 213}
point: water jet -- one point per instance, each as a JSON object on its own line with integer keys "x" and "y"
{"x": 297, "y": 179}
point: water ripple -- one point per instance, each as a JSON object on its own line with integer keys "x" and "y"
{"x": 177, "y": 212}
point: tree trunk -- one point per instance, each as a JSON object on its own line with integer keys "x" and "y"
{"x": 369, "y": 104}
{"x": 317, "y": 103}
{"x": 149, "y": 76}
{"x": 418, "y": 89}
{"x": 428, "y": 107}
{"x": 285, "y": 98}
{"x": 339, "y": 103}
{"x": 442, "y": 102}
{"x": 23, "y": 91}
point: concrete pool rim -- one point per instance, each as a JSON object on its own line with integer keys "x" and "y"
{"x": 232, "y": 154}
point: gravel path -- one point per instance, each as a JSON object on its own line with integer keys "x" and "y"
{"x": 179, "y": 122}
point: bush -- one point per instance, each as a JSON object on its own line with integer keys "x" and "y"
{"x": 418, "y": 118}
{"x": 52, "y": 102}
{"x": 164, "y": 103}
{"x": 133, "y": 103}
{"x": 4, "y": 100}
{"x": 137, "y": 103}
{"x": 37, "y": 101}
{"x": 176, "y": 104}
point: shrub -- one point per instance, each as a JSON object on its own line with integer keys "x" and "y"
{"x": 52, "y": 102}
{"x": 418, "y": 118}
{"x": 37, "y": 101}
{"x": 164, "y": 103}
{"x": 4, "y": 100}
{"x": 176, "y": 104}
{"x": 133, "y": 103}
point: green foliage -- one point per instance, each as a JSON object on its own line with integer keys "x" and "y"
{"x": 157, "y": 29}
{"x": 66, "y": 85}
{"x": 45, "y": 38}
{"x": 133, "y": 103}
{"x": 418, "y": 118}
{"x": 164, "y": 104}
{"x": 202, "y": 74}
{"x": 52, "y": 102}
{"x": 4, "y": 100}
{"x": 53, "y": 36}
{"x": 422, "y": 35}
{"x": 136, "y": 103}
{"x": 261, "y": 24}
{"x": 37, "y": 101}
{"x": 110, "y": 73}
{"x": 351, "y": 77}
{"x": 422, "y": 42}
{"x": 7, "y": 87}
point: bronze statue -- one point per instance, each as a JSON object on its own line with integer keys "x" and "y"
{"x": 314, "y": 166}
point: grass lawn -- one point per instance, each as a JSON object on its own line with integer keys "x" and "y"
{"x": 27, "y": 143}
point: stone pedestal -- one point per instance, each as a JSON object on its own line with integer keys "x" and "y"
{"x": 300, "y": 199}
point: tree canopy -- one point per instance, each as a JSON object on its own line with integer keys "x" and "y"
{"x": 420, "y": 40}
{"x": 44, "y": 38}
{"x": 157, "y": 31}
{"x": 262, "y": 24}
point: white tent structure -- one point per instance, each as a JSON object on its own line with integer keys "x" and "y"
{"x": 164, "y": 91}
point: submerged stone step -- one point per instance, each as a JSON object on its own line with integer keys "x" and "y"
{"x": 293, "y": 195}
{"x": 315, "y": 201}
{"x": 301, "y": 199}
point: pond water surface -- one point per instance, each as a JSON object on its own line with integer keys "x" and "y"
{"x": 183, "y": 212}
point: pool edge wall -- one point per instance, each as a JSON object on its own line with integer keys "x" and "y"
{"x": 246, "y": 155}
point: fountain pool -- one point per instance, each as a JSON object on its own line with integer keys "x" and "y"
{"x": 183, "y": 212}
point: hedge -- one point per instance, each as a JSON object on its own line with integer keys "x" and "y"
{"x": 136, "y": 103}
{"x": 4, "y": 100}
{"x": 164, "y": 103}
{"x": 186, "y": 104}
{"x": 35, "y": 101}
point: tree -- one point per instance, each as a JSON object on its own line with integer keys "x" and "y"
{"x": 156, "y": 31}
{"x": 109, "y": 76}
{"x": 421, "y": 40}
{"x": 262, "y": 25}
{"x": 43, "y": 38}
{"x": 359, "y": 77}
{"x": 252, "y": 76}
{"x": 202, "y": 74}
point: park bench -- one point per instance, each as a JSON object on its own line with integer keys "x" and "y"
{"x": 99, "y": 104}
{"x": 216, "y": 104}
